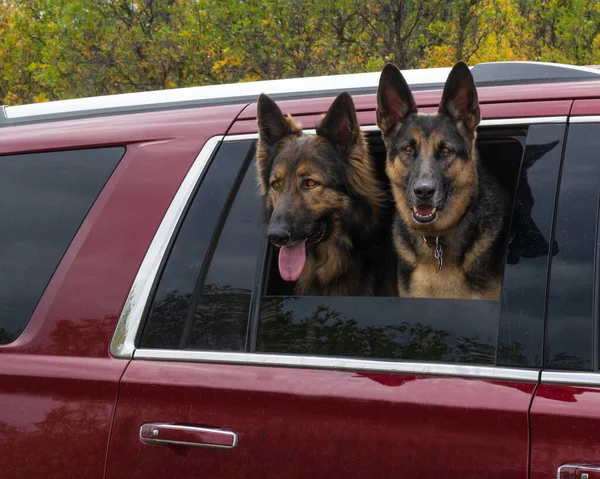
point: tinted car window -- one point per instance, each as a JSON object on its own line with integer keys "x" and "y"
{"x": 222, "y": 280}
{"x": 570, "y": 338}
{"x": 44, "y": 197}
{"x": 521, "y": 334}
{"x": 203, "y": 296}
{"x": 464, "y": 331}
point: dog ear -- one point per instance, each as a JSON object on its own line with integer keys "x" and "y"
{"x": 272, "y": 125}
{"x": 459, "y": 100}
{"x": 395, "y": 102}
{"x": 340, "y": 125}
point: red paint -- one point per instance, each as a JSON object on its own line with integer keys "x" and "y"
{"x": 367, "y": 117}
{"x": 55, "y": 414}
{"x": 85, "y": 297}
{"x": 586, "y": 107}
{"x": 565, "y": 428}
{"x": 58, "y": 385}
{"x": 299, "y": 423}
{"x": 431, "y": 98}
{"x": 308, "y": 122}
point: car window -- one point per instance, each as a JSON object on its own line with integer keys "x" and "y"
{"x": 236, "y": 301}
{"x": 521, "y": 329}
{"x": 202, "y": 299}
{"x": 44, "y": 198}
{"x": 571, "y": 335}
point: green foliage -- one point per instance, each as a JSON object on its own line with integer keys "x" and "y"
{"x": 59, "y": 49}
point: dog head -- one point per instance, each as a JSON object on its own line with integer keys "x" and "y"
{"x": 431, "y": 159}
{"x": 306, "y": 180}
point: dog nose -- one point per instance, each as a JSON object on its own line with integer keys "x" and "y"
{"x": 424, "y": 189}
{"x": 279, "y": 236}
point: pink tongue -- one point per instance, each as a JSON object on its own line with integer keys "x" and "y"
{"x": 291, "y": 261}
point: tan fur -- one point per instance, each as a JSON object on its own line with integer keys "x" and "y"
{"x": 262, "y": 154}
{"x": 363, "y": 178}
{"x": 449, "y": 282}
{"x": 465, "y": 181}
{"x": 427, "y": 280}
{"x": 333, "y": 257}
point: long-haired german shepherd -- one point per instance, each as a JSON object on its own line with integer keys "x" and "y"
{"x": 449, "y": 232}
{"x": 324, "y": 203}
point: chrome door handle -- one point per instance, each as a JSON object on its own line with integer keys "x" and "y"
{"x": 578, "y": 471}
{"x": 178, "y": 435}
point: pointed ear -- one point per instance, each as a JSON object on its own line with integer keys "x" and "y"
{"x": 340, "y": 125}
{"x": 459, "y": 100}
{"x": 272, "y": 125}
{"x": 395, "y": 102}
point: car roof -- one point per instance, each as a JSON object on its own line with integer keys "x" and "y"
{"x": 495, "y": 81}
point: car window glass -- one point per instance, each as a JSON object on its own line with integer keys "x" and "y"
{"x": 201, "y": 299}
{"x": 232, "y": 284}
{"x": 570, "y": 338}
{"x": 44, "y": 198}
{"x": 521, "y": 334}
{"x": 448, "y": 330}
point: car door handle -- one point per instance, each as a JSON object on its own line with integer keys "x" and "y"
{"x": 179, "y": 435}
{"x": 578, "y": 471}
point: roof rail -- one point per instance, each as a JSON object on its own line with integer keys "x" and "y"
{"x": 513, "y": 73}
{"x": 485, "y": 74}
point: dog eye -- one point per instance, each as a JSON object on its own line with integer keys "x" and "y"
{"x": 446, "y": 151}
{"x": 276, "y": 185}
{"x": 407, "y": 149}
{"x": 310, "y": 183}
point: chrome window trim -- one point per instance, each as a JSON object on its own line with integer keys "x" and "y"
{"x": 524, "y": 121}
{"x": 337, "y": 363}
{"x": 574, "y": 378}
{"x": 123, "y": 341}
{"x": 484, "y": 123}
{"x": 585, "y": 119}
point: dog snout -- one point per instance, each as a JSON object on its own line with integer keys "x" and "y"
{"x": 424, "y": 189}
{"x": 279, "y": 235}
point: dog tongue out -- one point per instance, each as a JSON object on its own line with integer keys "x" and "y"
{"x": 291, "y": 261}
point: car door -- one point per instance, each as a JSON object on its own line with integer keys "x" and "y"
{"x": 231, "y": 379}
{"x": 565, "y": 415}
{"x": 80, "y": 201}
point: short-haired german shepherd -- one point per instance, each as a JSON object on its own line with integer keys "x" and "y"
{"x": 450, "y": 226}
{"x": 324, "y": 203}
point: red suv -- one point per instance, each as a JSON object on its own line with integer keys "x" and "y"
{"x": 141, "y": 316}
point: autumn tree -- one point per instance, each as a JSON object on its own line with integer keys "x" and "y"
{"x": 58, "y": 49}
{"x": 564, "y": 31}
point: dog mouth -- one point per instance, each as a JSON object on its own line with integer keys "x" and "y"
{"x": 292, "y": 257}
{"x": 424, "y": 214}
{"x": 317, "y": 235}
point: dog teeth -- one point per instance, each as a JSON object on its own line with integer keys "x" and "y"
{"x": 419, "y": 215}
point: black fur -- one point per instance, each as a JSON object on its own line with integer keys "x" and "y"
{"x": 443, "y": 195}
{"x": 344, "y": 221}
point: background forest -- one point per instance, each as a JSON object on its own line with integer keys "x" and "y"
{"x": 59, "y": 49}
